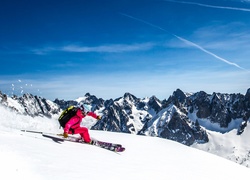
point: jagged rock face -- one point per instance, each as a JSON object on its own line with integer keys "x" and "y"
{"x": 179, "y": 130}
{"x": 179, "y": 99}
{"x": 218, "y": 108}
{"x": 172, "y": 124}
{"x": 201, "y": 102}
{"x": 114, "y": 119}
{"x": 219, "y": 111}
{"x": 64, "y": 104}
{"x": 125, "y": 114}
{"x": 155, "y": 104}
{"x": 180, "y": 96}
{"x": 94, "y": 101}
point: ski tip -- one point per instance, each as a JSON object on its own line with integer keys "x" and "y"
{"x": 120, "y": 149}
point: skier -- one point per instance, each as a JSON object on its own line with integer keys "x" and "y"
{"x": 73, "y": 125}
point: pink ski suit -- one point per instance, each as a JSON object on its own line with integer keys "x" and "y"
{"x": 73, "y": 125}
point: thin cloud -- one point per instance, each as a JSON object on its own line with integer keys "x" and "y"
{"x": 111, "y": 48}
{"x": 210, "y": 6}
{"x": 187, "y": 42}
{"x": 43, "y": 51}
{"x": 117, "y": 48}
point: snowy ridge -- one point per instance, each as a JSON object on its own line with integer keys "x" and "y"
{"x": 31, "y": 156}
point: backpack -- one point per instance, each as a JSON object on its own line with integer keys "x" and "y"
{"x": 66, "y": 115}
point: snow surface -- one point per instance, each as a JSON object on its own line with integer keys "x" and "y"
{"x": 31, "y": 156}
{"x": 229, "y": 145}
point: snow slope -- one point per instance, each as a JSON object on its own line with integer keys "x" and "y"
{"x": 31, "y": 156}
{"x": 229, "y": 145}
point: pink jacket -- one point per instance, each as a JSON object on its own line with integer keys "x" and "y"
{"x": 76, "y": 120}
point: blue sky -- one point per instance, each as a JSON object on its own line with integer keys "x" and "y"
{"x": 64, "y": 49}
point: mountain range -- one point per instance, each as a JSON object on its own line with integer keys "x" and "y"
{"x": 183, "y": 117}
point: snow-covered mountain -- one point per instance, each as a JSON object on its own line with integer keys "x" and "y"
{"x": 30, "y": 105}
{"x": 31, "y": 156}
{"x": 191, "y": 119}
{"x": 149, "y": 116}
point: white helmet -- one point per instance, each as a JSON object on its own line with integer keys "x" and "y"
{"x": 84, "y": 107}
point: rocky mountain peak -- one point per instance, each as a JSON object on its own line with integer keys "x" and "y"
{"x": 155, "y": 104}
{"x": 96, "y": 103}
{"x": 181, "y": 118}
{"x": 129, "y": 97}
{"x": 180, "y": 95}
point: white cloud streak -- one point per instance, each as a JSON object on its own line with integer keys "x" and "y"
{"x": 210, "y": 6}
{"x": 187, "y": 42}
{"x": 117, "y": 48}
{"x": 110, "y": 48}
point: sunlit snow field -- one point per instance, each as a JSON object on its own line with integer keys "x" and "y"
{"x": 30, "y": 156}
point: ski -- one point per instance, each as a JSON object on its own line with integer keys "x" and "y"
{"x": 105, "y": 145}
{"x": 102, "y": 144}
{"x": 109, "y": 146}
{"x": 59, "y": 138}
{"x": 95, "y": 141}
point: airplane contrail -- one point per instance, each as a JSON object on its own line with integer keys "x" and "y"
{"x": 186, "y": 41}
{"x": 209, "y": 6}
{"x": 145, "y": 22}
{"x": 208, "y": 52}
